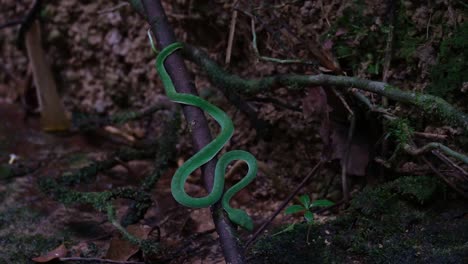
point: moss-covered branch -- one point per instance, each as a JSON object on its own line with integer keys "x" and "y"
{"x": 402, "y": 132}
{"x": 60, "y": 189}
{"x": 432, "y": 106}
{"x": 113, "y": 219}
{"x": 165, "y": 150}
{"x": 86, "y": 122}
{"x": 86, "y": 174}
{"x": 435, "y": 146}
{"x": 99, "y": 200}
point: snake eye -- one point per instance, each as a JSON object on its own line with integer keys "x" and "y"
{"x": 241, "y": 218}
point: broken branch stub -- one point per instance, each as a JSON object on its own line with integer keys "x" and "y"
{"x": 53, "y": 116}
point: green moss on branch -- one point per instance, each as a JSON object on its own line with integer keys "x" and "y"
{"x": 165, "y": 152}
{"x": 432, "y": 106}
{"x": 85, "y": 122}
{"x": 60, "y": 189}
{"x": 88, "y": 173}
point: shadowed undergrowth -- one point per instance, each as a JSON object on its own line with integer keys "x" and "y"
{"x": 399, "y": 222}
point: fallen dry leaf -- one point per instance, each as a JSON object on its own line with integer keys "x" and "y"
{"x": 121, "y": 249}
{"x": 57, "y": 253}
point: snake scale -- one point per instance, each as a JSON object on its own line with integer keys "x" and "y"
{"x": 207, "y": 153}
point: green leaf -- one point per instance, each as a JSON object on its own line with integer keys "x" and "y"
{"x": 309, "y": 216}
{"x": 373, "y": 68}
{"x": 294, "y": 209}
{"x": 5, "y": 172}
{"x": 322, "y": 203}
{"x": 287, "y": 229}
{"x": 305, "y": 200}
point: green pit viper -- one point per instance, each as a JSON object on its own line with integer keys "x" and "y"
{"x": 207, "y": 153}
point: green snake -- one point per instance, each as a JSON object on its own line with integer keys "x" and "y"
{"x": 207, "y": 153}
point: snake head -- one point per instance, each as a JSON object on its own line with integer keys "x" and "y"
{"x": 241, "y": 218}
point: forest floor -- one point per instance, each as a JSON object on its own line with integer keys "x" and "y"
{"x": 103, "y": 64}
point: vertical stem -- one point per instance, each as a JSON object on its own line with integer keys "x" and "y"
{"x": 232, "y": 30}
{"x": 201, "y": 135}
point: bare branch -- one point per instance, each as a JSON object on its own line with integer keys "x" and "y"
{"x": 435, "y": 145}
{"x": 201, "y": 135}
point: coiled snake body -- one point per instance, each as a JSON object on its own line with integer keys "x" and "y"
{"x": 237, "y": 216}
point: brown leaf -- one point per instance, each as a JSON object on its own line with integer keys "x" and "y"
{"x": 57, "y": 253}
{"x": 315, "y": 105}
{"x": 121, "y": 249}
{"x": 324, "y": 56}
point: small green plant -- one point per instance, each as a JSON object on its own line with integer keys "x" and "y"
{"x": 306, "y": 207}
{"x": 401, "y": 130}
{"x": 450, "y": 73}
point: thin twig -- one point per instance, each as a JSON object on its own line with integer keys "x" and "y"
{"x": 344, "y": 164}
{"x": 412, "y": 150}
{"x": 389, "y": 47}
{"x": 442, "y": 176}
{"x": 344, "y": 174}
{"x": 234, "y": 169}
{"x": 232, "y": 30}
{"x": 450, "y": 163}
{"x": 430, "y": 135}
{"x": 112, "y": 9}
{"x": 428, "y": 25}
{"x": 270, "y": 59}
{"x": 313, "y": 172}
